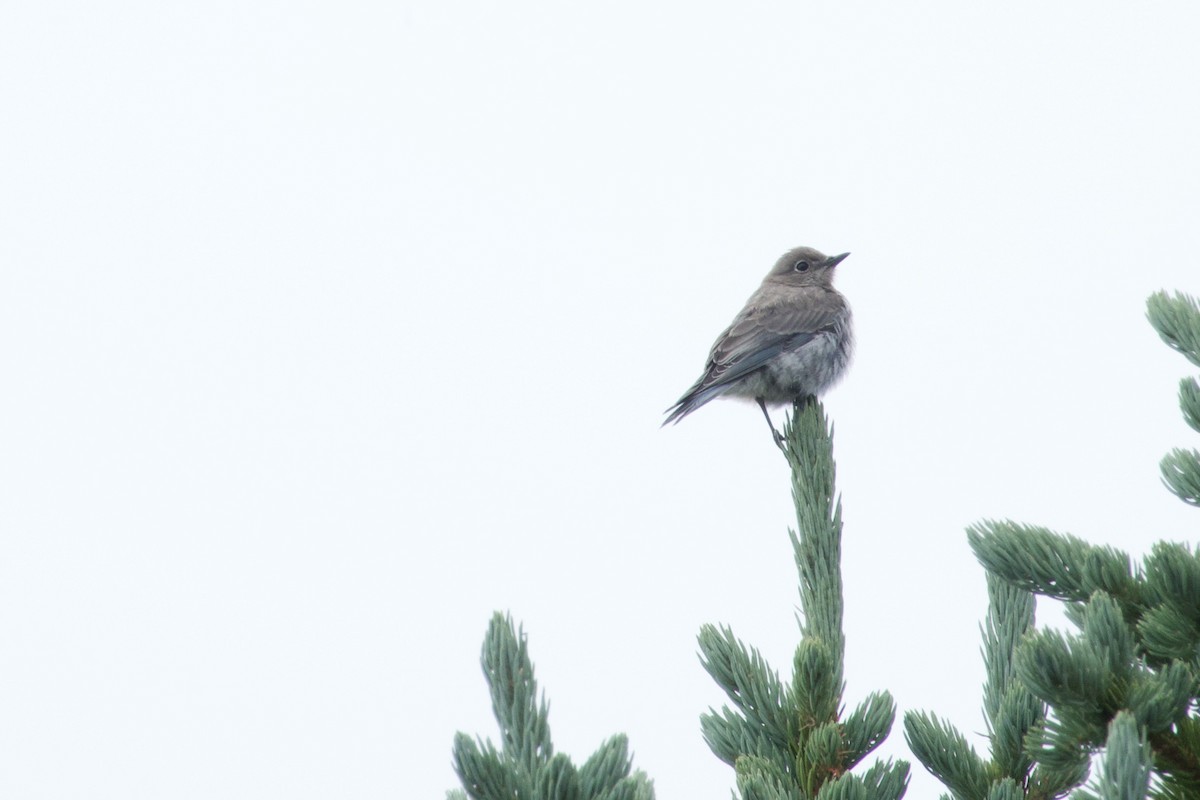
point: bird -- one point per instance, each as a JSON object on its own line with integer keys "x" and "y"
{"x": 792, "y": 341}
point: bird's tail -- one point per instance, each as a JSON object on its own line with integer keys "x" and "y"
{"x": 693, "y": 399}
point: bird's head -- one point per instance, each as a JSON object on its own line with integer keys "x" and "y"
{"x": 804, "y": 266}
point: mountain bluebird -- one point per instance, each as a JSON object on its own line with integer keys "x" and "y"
{"x": 791, "y": 341}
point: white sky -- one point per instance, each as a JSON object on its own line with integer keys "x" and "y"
{"x": 327, "y": 329}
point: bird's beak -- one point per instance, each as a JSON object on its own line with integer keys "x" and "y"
{"x": 833, "y": 261}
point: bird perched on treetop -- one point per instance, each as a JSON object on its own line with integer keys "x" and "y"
{"x": 791, "y": 341}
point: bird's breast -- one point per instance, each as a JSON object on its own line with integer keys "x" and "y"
{"x": 808, "y": 370}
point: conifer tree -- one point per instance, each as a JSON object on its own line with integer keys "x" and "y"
{"x": 792, "y": 741}
{"x": 1126, "y": 683}
{"x": 786, "y": 742}
{"x": 526, "y": 766}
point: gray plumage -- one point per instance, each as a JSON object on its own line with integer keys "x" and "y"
{"x": 792, "y": 340}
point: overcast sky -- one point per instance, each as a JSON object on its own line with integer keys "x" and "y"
{"x": 329, "y": 328}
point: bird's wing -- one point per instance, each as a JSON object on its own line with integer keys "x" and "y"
{"x": 763, "y": 330}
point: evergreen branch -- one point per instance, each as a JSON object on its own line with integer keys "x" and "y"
{"x": 945, "y": 753}
{"x": 1172, "y": 577}
{"x": 821, "y": 758}
{"x": 606, "y": 767}
{"x": 816, "y": 691}
{"x": 1047, "y": 782}
{"x": 1170, "y": 627}
{"x": 1176, "y": 760}
{"x": 526, "y": 767}
{"x": 1028, "y": 760}
{"x": 1189, "y": 401}
{"x": 1061, "y": 671}
{"x": 1177, "y": 320}
{"x": 748, "y": 681}
{"x": 558, "y": 780}
{"x": 1167, "y": 634}
{"x": 1062, "y": 747}
{"x": 1159, "y": 699}
{"x": 1051, "y": 564}
{"x": 524, "y": 721}
{"x": 760, "y": 779}
{"x": 818, "y": 547}
{"x": 636, "y": 787}
{"x": 1181, "y": 473}
{"x": 1010, "y": 616}
{"x": 1006, "y": 789}
{"x": 1019, "y": 714}
{"x": 883, "y": 781}
{"x": 1127, "y": 682}
{"x": 730, "y": 736}
{"x": 1181, "y": 763}
{"x": 1127, "y": 761}
{"x": 786, "y": 742}
{"x": 867, "y": 726}
{"x": 1125, "y": 774}
{"x": 484, "y": 773}
{"x": 1107, "y": 638}
{"x": 1010, "y": 711}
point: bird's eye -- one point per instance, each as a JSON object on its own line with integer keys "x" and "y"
{"x": 800, "y": 266}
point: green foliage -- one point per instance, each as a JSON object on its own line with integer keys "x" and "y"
{"x": 1126, "y": 682}
{"x": 1177, "y": 320}
{"x": 1051, "y": 564}
{"x": 790, "y": 740}
{"x": 945, "y": 752}
{"x": 526, "y": 766}
{"x": 1181, "y": 473}
{"x": 1011, "y": 712}
{"x": 1127, "y": 763}
{"x": 1136, "y": 652}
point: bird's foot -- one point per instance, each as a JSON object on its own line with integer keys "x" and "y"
{"x": 776, "y": 435}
